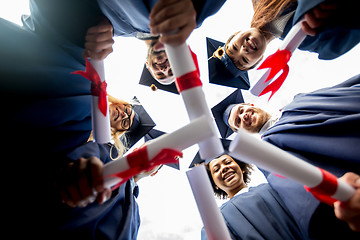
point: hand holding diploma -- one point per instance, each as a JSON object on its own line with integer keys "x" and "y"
{"x": 185, "y": 68}
{"x": 322, "y": 184}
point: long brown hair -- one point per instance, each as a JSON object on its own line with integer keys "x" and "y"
{"x": 265, "y": 11}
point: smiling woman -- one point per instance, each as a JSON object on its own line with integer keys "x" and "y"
{"x": 228, "y": 175}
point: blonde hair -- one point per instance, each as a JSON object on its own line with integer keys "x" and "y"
{"x": 118, "y": 136}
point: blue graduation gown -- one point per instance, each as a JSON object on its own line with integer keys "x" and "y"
{"x": 47, "y": 115}
{"x": 322, "y": 127}
{"x": 259, "y": 214}
{"x": 131, "y": 16}
{"x": 40, "y": 91}
{"x": 332, "y": 41}
{"x": 118, "y": 218}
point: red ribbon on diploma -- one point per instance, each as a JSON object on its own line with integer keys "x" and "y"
{"x": 191, "y": 79}
{"x": 325, "y": 189}
{"x": 98, "y": 87}
{"x": 276, "y": 62}
{"x": 139, "y": 162}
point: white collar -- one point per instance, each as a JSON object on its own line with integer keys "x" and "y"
{"x": 243, "y": 190}
{"x": 271, "y": 122}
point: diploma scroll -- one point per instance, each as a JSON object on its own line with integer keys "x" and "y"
{"x": 196, "y": 131}
{"x": 190, "y": 88}
{"x": 250, "y": 149}
{"x": 211, "y": 216}
{"x": 277, "y": 62}
{"x": 100, "y": 123}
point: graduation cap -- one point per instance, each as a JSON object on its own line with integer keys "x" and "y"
{"x": 223, "y": 71}
{"x": 147, "y": 79}
{"x": 141, "y": 125}
{"x": 152, "y": 134}
{"x": 221, "y": 112}
{"x": 198, "y": 160}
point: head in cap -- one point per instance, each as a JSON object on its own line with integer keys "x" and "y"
{"x": 246, "y": 49}
{"x": 232, "y": 114}
{"x": 147, "y": 79}
{"x": 130, "y": 118}
{"x": 222, "y": 71}
{"x": 227, "y": 174}
{"x": 141, "y": 125}
{"x": 157, "y": 62}
{"x": 152, "y": 134}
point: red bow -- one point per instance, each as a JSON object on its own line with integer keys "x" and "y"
{"x": 276, "y": 62}
{"x": 191, "y": 79}
{"x": 98, "y": 87}
{"x": 139, "y": 162}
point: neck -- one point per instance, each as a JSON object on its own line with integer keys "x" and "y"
{"x": 233, "y": 192}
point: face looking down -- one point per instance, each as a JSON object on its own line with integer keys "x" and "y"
{"x": 121, "y": 116}
{"x": 159, "y": 66}
{"x": 246, "y": 49}
{"x": 227, "y": 174}
{"x": 248, "y": 117}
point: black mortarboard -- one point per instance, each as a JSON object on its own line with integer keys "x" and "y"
{"x": 152, "y": 134}
{"x": 222, "y": 110}
{"x": 223, "y": 71}
{"x": 198, "y": 160}
{"x": 147, "y": 79}
{"x": 141, "y": 125}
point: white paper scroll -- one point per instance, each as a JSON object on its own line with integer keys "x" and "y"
{"x": 246, "y": 147}
{"x": 196, "y": 131}
{"x": 292, "y": 41}
{"x": 182, "y": 63}
{"x": 100, "y": 123}
{"x": 211, "y": 216}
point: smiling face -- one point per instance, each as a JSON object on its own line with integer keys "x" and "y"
{"x": 246, "y": 49}
{"x": 248, "y": 117}
{"x": 227, "y": 174}
{"x": 159, "y": 66}
{"x": 121, "y": 116}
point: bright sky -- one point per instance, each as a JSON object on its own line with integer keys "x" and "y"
{"x": 167, "y": 207}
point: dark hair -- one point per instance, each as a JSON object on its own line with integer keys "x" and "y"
{"x": 246, "y": 167}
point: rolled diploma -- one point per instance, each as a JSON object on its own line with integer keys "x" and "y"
{"x": 292, "y": 41}
{"x": 264, "y": 155}
{"x": 194, "y": 132}
{"x": 182, "y": 63}
{"x": 100, "y": 123}
{"x": 211, "y": 216}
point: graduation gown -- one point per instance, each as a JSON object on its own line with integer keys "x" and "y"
{"x": 333, "y": 41}
{"x": 129, "y": 17}
{"x": 322, "y": 127}
{"x": 259, "y": 213}
{"x": 118, "y": 218}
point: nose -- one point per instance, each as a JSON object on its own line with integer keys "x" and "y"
{"x": 164, "y": 68}
{"x": 224, "y": 168}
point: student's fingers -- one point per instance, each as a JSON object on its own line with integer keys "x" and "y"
{"x": 161, "y": 4}
{"x": 307, "y": 29}
{"x": 177, "y": 38}
{"x": 104, "y": 196}
{"x": 84, "y": 179}
{"x": 100, "y": 28}
{"x": 173, "y": 18}
{"x": 98, "y": 50}
{"x": 167, "y": 12}
{"x": 350, "y": 211}
{"x": 96, "y": 169}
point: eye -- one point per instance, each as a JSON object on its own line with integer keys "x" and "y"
{"x": 235, "y": 48}
{"x": 245, "y": 60}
